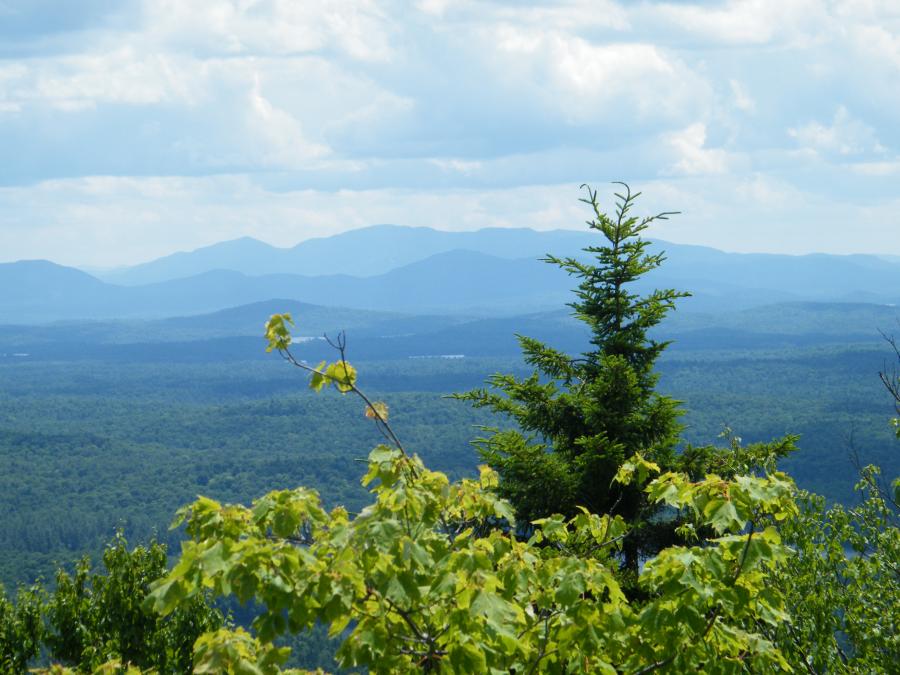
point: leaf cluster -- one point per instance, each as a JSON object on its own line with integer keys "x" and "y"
{"x": 842, "y": 585}
{"x": 91, "y": 619}
{"x": 411, "y": 585}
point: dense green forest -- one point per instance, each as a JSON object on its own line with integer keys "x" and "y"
{"x": 88, "y": 446}
{"x": 630, "y": 513}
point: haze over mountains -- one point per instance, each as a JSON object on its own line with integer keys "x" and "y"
{"x": 365, "y": 252}
{"x": 493, "y": 272}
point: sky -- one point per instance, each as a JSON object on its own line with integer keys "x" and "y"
{"x": 130, "y": 129}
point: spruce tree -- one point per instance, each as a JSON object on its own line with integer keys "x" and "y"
{"x": 580, "y": 418}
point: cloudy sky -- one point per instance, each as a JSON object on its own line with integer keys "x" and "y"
{"x": 130, "y": 129}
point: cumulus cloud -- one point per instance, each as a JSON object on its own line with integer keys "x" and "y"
{"x": 692, "y": 158}
{"x": 190, "y": 118}
{"x": 618, "y": 83}
{"x": 359, "y": 29}
{"x": 749, "y": 22}
{"x": 845, "y": 136}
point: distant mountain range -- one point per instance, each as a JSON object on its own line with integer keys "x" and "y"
{"x": 364, "y": 252}
{"x": 453, "y": 282}
{"x": 490, "y": 273}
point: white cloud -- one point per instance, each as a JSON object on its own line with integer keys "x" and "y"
{"x": 460, "y": 165}
{"x": 118, "y": 76}
{"x": 574, "y": 16}
{"x": 845, "y": 136}
{"x": 879, "y": 43}
{"x": 357, "y": 28}
{"x": 587, "y": 82}
{"x": 887, "y": 168}
{"x": 742, "y": 99}
{"x": 280, "y": 133}
{"x": 692, "y": 158}
{"x": 446, "y": 106}
{"x": 434, "y": 7}
{"x": 764, "y": 213}
{"x": 747, "y": 22}
{"x": 571, "y": 16}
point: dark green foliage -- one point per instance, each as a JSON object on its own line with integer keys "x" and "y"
{"x": 842, "y": 586}
{"x": 21, "y": 628}
{"x": 587, "y": 415}
{"x": 87, "y": 447}
{"x": 91, "y": 617}
{"x": 94, "y": 617}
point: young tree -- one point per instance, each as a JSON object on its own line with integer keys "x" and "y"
{"x": 579, "y": 418}
{"x": 422, "y": 580}
{"x": 842, "y": 584}
{"x": 91, "y": 618}
{"x": 21, "y": 629}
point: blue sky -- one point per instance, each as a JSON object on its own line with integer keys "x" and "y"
{"x": 131, "y": 129}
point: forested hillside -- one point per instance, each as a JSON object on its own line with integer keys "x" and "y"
{"x": 134, "y": 430}
{"x": 114, "y": 425}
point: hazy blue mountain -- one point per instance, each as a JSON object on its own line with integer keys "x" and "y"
{"x": 374, "y": 251}
{"x": 453, "y": 282}
{"x": 368, "y": 251}
{"x": 310, "y": 320}
{"x": 463, "y": 281}
{"x": 857, "y": 278}
{"x": 456, "y": 281}
{"x": 717, "y": 278}
{"x": 42, "y": 291}
{"x": 459, "y": 281}
{"x": 29, "y": 278}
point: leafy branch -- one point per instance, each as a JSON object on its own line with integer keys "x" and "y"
{"x": 340, "y": 373}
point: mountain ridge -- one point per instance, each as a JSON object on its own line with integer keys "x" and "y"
{"x": 456, "y": 281}
{"x": 365, "y": 252}
{"x": 377, "y": 249}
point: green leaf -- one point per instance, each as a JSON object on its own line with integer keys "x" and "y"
{"x": 318, "y": 379}
{"x": 378, "y": 410}
{"x": 467, "y": 658}
{"x": 722, "y": 516}
{"x": 278, "y": 333}
{"x": 343, "y": 375}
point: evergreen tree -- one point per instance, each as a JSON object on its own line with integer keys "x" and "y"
{"x": 421, "y": 580}
{"x": 579, "y": 419}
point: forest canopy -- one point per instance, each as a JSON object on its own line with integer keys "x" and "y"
{"x": 592, "y": 540}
